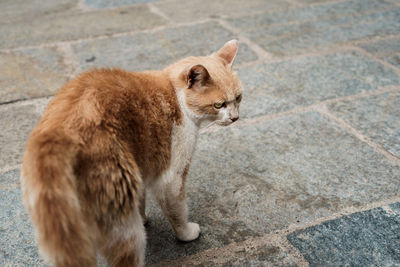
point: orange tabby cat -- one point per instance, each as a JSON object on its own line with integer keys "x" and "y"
{"x": 104, "y": 138}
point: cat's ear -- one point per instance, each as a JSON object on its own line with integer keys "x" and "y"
{"x": 228, "y": 52}
{"x": 197, "y": 77}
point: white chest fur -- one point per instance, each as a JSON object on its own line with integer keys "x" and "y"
{"x": 183, "y": 143}
{"x": 184, "y": 139}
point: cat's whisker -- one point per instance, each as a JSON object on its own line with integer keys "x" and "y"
{"x": 210, "y": 125}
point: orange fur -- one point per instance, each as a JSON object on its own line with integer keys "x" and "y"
{"x": 103, "y": 137}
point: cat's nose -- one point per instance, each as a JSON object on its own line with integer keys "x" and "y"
{"x": 235, "y": 119}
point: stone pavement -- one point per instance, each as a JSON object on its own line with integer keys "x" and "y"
{"x": 310, "y": 175}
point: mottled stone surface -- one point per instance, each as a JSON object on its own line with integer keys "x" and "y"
{"x": 255, "y": 177}
{"x": 156, "y": 50}
{"x": 263, "y": 255}
{"x": 247, "y": 181}
{"x": 17, "y": 121}
{"x": 114, "y": 3}
{"x": 20, "y": 11}
{"x": 68, "y": 26}
{"x": 276, "y": 87}
{"x": 9, "y": 179}
{"x": 377, "y": 117}
{"x": 387, "y": 50}
{"x": 395, "y": 207}
{"x": 187, "y": 11}
{"x": 369, "y": 238}
{"x": 314, "y": 1}
{"x": 268, "y": 256}
{"x": 31, "y": 73}
{"x": 17, "y": 242}
{"x": 304, "y": 29}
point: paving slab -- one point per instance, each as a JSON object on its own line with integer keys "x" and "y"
{"x": 264, "y": 177}
{"x": 306, "y": 29}
{"x": 68, "y": 26}
{"x": 114, "y": 3}
{"x": 17, "y": 241}
{"x": 307, "y": 80}
{"x": 17, "y": 121}
{"x": 369, "y": 238}
{"x": 387, "y": 50}
{"x": 186, "y": 11}
{"x": 377, "y": 117}
{"x": 16, "y": 11}
{"x": 314, "y": 1}
{"x": 31, "y": 73}
{"x": 395, "y": 207}
{"x": 157, "y": 49}
{"x": 267, "y": 255}
{"x": 250, "y": 179}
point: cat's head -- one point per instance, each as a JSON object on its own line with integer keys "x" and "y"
{"x": 208, "y": 88}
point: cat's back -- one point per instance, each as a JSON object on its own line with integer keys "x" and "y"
{"x": 113, "y": 111}
{"x": 111, "y": 98}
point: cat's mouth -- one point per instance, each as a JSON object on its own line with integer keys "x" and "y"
{"x": 224, "y": 123}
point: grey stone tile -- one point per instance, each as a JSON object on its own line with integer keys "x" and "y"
{"x": 369, "y": 238}
{"x": 17, "y": 242}
{"x": 276, "y": 87}
{"x": 377, "y": 117}
{"x": 264, "y": 255}
{"x": 313, "y": 1}
{"x": 268, "y": 256}
{"x": 68, "y": 26}
{"x": 344, "y": 10}
{"x": 186, "y": 11}
{"x": 9, "y": 178}
{"x": 387, "y": 50}
{"x": 115, "y": 3}
{"x": 17, "y": 121}
{"x": 248, "y": 181}
{"x": 16, "y": 11}
{"x": 31, "y": 73}
{"x": 395, "y": 207}
{"x": 300, "y": 30}
{"x": 258, "y": 179}
{"x": 143, "y": 51}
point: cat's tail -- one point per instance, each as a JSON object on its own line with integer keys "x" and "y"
{"x": 49, "y": 192}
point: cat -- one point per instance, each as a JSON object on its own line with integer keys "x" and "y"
{"x": 106, "y": 136}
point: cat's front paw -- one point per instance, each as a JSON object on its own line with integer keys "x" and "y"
{"x": 189, "y": 232}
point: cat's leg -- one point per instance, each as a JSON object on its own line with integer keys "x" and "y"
{"x": 170, "y": 194}
{"x": 126, "y": 242}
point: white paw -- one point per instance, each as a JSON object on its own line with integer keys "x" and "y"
{"x": 188, "y": 232}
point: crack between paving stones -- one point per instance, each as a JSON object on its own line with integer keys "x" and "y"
{"x": 323, "y": 110}
{"x": 105, "y": 36}
{"x": 22, "y": 100}
{"x": 5, "y": 169}
{"x": 302, "y": 109}
{"x": 317, "y": 19}
{"x": 276, "y": 238}
{"x": 374, "y": 58}
{"x": 155, "y": 10}
{"x": 69, "y": 58}
{"x": 346, "y": 48}
{"x": 265, "y": 117}
{"x": 157, "y": 28}
{"x": 261, "y": 53}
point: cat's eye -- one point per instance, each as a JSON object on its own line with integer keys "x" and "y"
{"x": 218, "y": 105}
{"x": 239, "y": 98}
